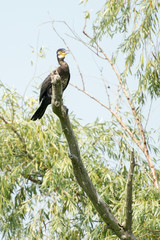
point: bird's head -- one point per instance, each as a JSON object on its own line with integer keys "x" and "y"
{"x": 61, "y": 53}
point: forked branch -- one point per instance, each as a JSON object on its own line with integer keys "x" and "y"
{"x": 141, "y": 142}
{"x": 79, "y": 170}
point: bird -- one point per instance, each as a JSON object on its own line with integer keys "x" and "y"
{"x": 46, "y": 87}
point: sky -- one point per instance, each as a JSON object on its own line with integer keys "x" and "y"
{"x": 26, "y": 27}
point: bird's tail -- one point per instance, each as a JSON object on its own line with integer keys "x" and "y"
{"x": 40, "y": 111}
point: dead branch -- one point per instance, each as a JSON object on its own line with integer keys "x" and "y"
{"x": 79, "y": 170}
{"x": 97, "y": 49}
{"x": 128, "y": 221}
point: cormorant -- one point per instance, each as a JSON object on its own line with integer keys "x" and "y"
{"x": 46, "y": 88}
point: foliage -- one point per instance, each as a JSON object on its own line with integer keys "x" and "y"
{"x": 136, "y": 24}
{"x": 39, "y": 195}
{"x": 137, "y": 57}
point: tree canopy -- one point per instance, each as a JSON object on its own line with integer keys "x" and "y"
{"x": 40, "y": 198}
{"x": 39, "y": 194}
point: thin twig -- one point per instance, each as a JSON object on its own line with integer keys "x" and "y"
{"x": 105, "y": 86}
{"x": 80, "y": 73}
{"x": 36, "y": 64}
{"x": 77, "y": 38}
{"x": 113, "y": 113}
{"x": 106, "y": 89}
{"x": 117, "y": 103}
{"x": 149, "y": 112}
{"x": 122, "y": 86}
{"x": 144, "y": 147}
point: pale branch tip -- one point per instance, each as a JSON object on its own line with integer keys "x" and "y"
{"x": 80, "y": 171}
{"x": 55, "y": 78}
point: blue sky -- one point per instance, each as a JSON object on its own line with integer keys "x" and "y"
{"x": 25, "y": 28}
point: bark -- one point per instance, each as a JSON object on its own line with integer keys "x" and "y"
{"x": 79, "y": 170}
{"x": 128, "y": 221}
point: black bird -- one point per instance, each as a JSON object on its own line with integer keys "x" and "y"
{"x": 46, "y": 88}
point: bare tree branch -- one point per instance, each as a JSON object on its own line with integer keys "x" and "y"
{"x": 80, "y": 73}
{"x": 133, "y": 109}
{"x": 79, "y": 170}
{"x": 100, "y": 53}
{"x": 128, "y": 221}
{"x": 124, "y": 126}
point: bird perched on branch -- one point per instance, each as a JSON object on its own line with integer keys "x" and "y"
{"x": 46, "y": 88}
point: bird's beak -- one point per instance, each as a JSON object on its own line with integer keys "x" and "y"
{"x": 66, "y": 52}
{"x": 63, "y": 54}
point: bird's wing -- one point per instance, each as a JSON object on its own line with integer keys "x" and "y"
{"x": 45, "y": 87}
{"x": 66, "y": 82}
{"x": 64, "y": 74}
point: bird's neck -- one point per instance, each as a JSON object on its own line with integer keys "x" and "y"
{"x": 60, "y": 61}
